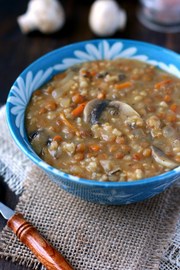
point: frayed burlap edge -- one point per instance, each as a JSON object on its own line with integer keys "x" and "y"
{"x": 14, "y": 164}
{"x": 160, "y": 244}
{"x": 171, "y": 214}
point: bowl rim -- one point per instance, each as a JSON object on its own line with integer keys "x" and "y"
{"x": 87, "y": 182}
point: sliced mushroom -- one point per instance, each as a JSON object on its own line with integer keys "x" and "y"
{"x": 94, "y": 109}
{"x": 109, "y": 167}
{"x": 162, "y": 159}
{"x": 33, "y": 135}
{"x": 123, "y": 109}
{"x": 39, "y": 139}
{"x": 114, "y": 171}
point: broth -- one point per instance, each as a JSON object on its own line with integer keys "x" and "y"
{"x": 107, "y": 120}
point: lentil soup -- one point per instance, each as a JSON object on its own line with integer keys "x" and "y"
{"x": 107, "y": 120}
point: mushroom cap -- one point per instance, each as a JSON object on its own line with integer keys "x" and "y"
{"x": 45, "y": 15}
{"x": 106, "y": 17}
{"x": 95, "y": 107}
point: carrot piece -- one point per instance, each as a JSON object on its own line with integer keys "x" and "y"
{"x": 57, "y": 138}
{"x": 94, "y": 147}
{"x": 123, "y": 85}
{"x": 173, "y": 107}
{"x": 68, "y": 124}
{"x": 162, "y": 83}
{"x": 79, "y": 109}
{"x": 167, "y": 98}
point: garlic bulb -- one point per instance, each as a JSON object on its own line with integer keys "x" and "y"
{"x": 106, "y": 17}
{"x": 46, "y": 16}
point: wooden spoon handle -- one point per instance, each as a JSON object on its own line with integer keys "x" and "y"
{"x": 44, "y": 252}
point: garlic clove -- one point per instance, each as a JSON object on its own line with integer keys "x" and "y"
{"x": 106, "y": 17}
{"x": 47, "y": 16}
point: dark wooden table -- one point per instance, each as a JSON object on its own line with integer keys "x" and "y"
{"x": 18, "y": 50}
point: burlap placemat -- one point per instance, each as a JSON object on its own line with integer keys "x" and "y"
{"x": 94, "y": 237}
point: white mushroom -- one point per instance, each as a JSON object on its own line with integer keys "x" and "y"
{"x": 46, "y": 16}
{"x": 106, "y": 17}
{"x": 94, "y": 109}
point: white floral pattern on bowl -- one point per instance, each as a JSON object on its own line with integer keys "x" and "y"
{"x": 23, "y": 90}
{"x": 105, "y": 51}
{"x": 22, "y": 93}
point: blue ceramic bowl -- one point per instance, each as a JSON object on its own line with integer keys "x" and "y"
{"x": 56, "y": 61}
